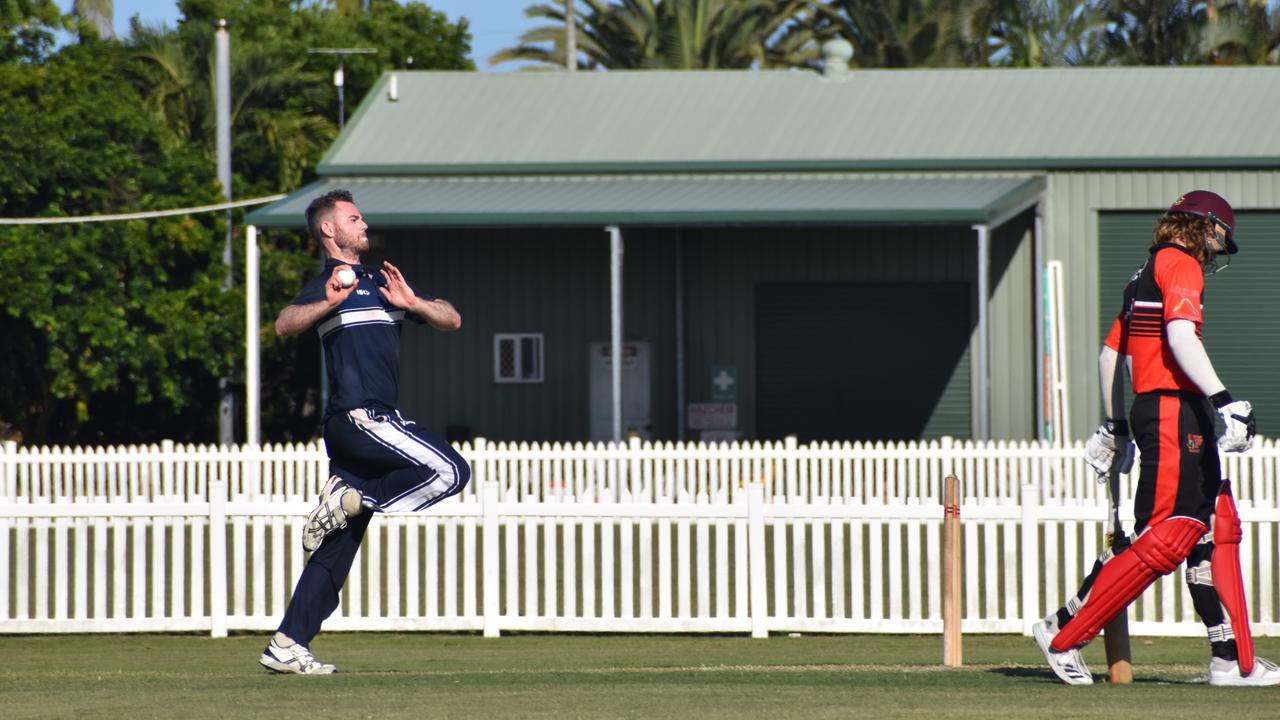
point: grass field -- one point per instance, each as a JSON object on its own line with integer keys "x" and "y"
{"x": 565, "y": 676}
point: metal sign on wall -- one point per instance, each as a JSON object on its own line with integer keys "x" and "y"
{"x": 724, "y": 383}
{"x": 713, "y": 416}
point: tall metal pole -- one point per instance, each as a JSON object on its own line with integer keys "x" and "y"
{"x": 571, "y": 37}
{"x": 340, "y": 80}
{"x": 615, "y": 339}
{"x": 252, "y": 379}
{"x": 982, "y": 429}
{"x": 340, "y": 75}
{"x": 226, "y": 400}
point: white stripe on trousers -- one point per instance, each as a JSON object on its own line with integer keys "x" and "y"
{"x": 392, "y": 435}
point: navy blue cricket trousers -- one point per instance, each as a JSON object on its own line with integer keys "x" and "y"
{"x": 396, "y": 466}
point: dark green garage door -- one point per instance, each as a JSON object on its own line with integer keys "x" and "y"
{"x": 1242, "y": 302}
{"x": 863, "y": 362}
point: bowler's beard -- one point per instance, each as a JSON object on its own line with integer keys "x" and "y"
{"x": 351, "y": 244}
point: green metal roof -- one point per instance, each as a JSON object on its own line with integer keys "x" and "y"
{"x": 663, "y": 199}
{"x": 656, "y": 121}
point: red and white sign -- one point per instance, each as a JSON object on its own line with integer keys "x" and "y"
{"x": 713, "y": 416}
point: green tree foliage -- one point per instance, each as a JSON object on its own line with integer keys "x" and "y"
{"x": 27, "y": 28}
{"x": 1155, "y": 32}
{"x": 122, "y": 329}
{"x": 1242, "y": 32}
{"x": 897, "y": 33}
{"x": 671, "y": 35}
{"x": 1033, "y": 33}
{"x": 119, "y": 326}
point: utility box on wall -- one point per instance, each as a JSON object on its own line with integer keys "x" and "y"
{"x": 636, "y": 382}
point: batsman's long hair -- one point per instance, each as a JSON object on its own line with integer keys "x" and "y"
{"x": 1190, "y": 229}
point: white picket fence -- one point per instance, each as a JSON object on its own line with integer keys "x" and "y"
{"x": 646, "y": 537}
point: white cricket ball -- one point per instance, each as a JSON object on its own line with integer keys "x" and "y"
{"x": 347, "y": 277}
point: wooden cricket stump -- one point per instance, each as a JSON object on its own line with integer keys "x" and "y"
{"x": 952, "y": 652}
{"x": 1119, "y": 658}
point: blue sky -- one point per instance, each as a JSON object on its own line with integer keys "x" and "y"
{"x": 495, "y": 24}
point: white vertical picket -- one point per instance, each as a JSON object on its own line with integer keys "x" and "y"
{"x": 759, "y": 609}
{"x": 646, "y": 565}
{"x": 1031, "y": 558}
{"x": 490, "y": 570}
{"x": 895, "y": 570}
{"x": 721, "y": 589}
{"x": 62, "y": 569}
{"x": 217, "y": 557}
{"x": 875, "y": 574}
{"x": 512, "y": 574}
{"x": 532, "y": 571}
{"x": 782, "y": 599}
{"x": 915, "y": 594}
{"x": 431, "y": 569}
{"x": 569, "y": 595}
{"x": 137, "y": 570}
{"x": 413, "y": 566}
{"x": 818, "y": 541}
{"x": 627, "y": 566}
{"x": 857, "y": 563}
{"x": 394, "y": 577}
{"x": 608, "y": 610}
{"x": 41, "y": 608}
{"x": 257, "y": 556}
{"x": 451, "y": 567}
{"x": 665, "y": 571}
{"x": 1010, "y": 565}
{"x": 991, "y": 570}
{"x": 589, "y": 545}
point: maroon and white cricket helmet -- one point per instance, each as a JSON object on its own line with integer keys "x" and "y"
{"x": 1213, "y": 206}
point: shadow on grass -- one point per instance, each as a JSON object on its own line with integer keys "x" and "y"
{"x": 1045, "y": 675}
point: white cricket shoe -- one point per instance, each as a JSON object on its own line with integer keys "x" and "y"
{"x": 1069, "y": 665}
{"x": 1227, "y": 673}
{"x": 295, "y": 659}
{"x": 328, "y": 516}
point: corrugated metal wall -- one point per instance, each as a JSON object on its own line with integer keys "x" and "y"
{"x": 1241, "y": 333}
{"x": 724, "y": 266}
{"x": 1013, "y": 348}
{"x": 556, "y": 281}
{"x": 552, "y": 281}
{"x": 1071, "y": 221}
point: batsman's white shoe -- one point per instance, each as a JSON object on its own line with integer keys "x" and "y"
{"x": 1069, "y": 665}
{"x": 328, "y": 516}
{"x": 1227, "y": 673}
{"x": 295, "y": 659}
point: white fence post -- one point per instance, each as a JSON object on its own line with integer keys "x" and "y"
{"x": 791, "y": 471}
{"x": 755, "y": 561}
{"x": 1030, "y": 558}
{"x": 490, "y": 570}
{"x": 217, "y": 557}
{"x": 9, "y": 458}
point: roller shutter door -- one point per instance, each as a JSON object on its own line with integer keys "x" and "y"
{"x": 1242, "y": 302}
{"x": 863, "y": 361}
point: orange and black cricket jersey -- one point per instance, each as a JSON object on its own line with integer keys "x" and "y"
{"x": 1171, "y": 420}
{"x": 1169, "y": 286}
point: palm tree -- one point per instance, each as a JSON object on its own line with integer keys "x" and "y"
{"x": 896, "y": 33}
{"x": 1155, "y": 32}
{"x": 1033, "y": 33}
{"x": 274, "y": 99}
{"x": 1242, "y": 32}
{"x": 97, "y": 15}
{"x": 671, "y": 34}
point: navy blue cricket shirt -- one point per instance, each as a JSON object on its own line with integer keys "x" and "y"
{"x": 361, "y": 339}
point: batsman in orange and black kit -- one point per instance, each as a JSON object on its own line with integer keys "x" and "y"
{"x": 1183, "y": 508}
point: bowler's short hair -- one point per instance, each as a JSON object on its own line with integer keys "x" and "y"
{"x": 321, "y": 207}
